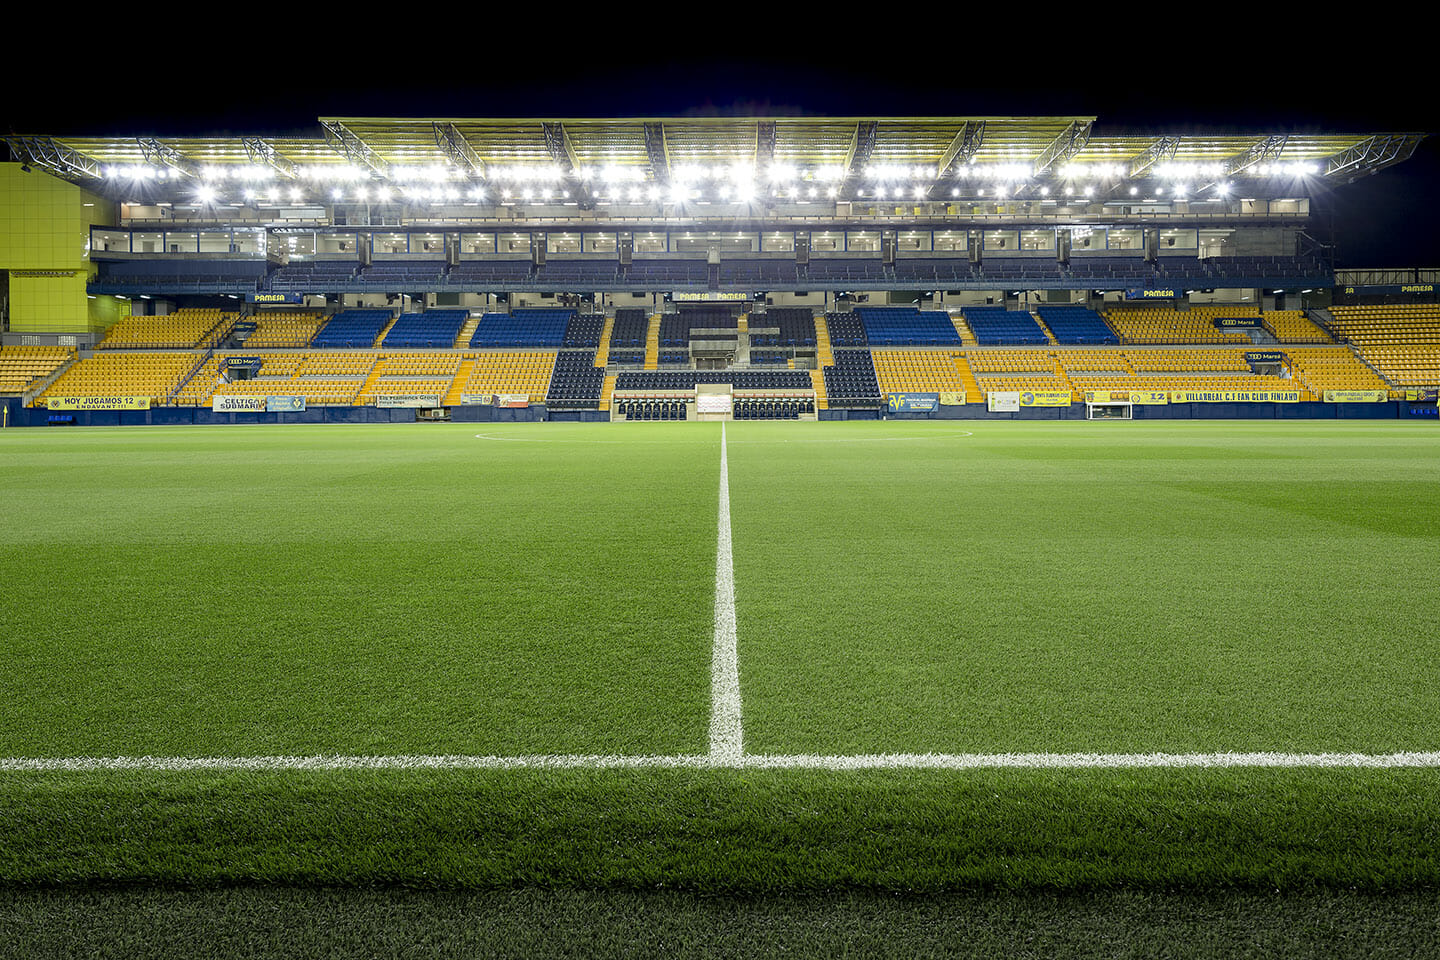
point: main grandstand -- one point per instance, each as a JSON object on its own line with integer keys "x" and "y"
{"x": 475, "y": 269}
{"x": 887, "y": 654}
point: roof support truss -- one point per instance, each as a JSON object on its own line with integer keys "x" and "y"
{"x": 557, "y": 142}
{"x": 764, "y": 144}
{"x": 158, "y": 154}
{"x": 962, "y": 149}
{"x": 344, "y": 142}
{"x": 965, "y": 145}
{"x": 658, "y": 150}
{"x": 55, "y": 157}
{"x": 1267, "y": 150}
{"x": 862, "y": 145}
{"x": 1372, "y": 155}
{"x": 449, "y": 139}
{"x": 261, "y": 152}
{"x": 1162, "y": 149}
{"x": 1070, "y": 142}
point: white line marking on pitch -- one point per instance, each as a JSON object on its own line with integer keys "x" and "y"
{"x": 933, "y": 436}
{"x": 726, "y": 732}
{"x": 737, "y": 761}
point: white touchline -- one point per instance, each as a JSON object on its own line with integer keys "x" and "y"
{"x": 726, "y": 732}
{"x": 737, "y": 761}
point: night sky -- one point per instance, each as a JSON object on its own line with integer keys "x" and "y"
{"x": 1264, "y": 79}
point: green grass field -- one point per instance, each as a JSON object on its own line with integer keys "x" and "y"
{"x": 549, "y": 590}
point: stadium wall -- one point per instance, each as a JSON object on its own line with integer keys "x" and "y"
{"x": 44, "y": 236}
{"x": 19, "y": 416}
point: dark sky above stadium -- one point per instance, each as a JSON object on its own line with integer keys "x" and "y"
{"x": 1143, "y": 76}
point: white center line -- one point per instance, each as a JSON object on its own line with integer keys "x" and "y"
{"x": 726, "y": 732}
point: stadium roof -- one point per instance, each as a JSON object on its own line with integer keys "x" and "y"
{"x": 658, "y": 149}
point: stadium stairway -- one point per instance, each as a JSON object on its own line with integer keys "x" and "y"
{"x": 607, "y": 391}
{"x": 199, "y": 365}
{"x": 602, "y": 352}
{"x": 462, "y": 376}
{"x": 967, "y": 337}
{"x": 1374, "y": 369}
{"x": 817, "y": 381}
{"x": 467, "y": 330}
{"x": 967, "y": 377}
{"x": 652, "y": 344}
{"x": 39, "y": 386}
{"x": 375, "y": 369}
{"x": 1323, "y": 319}
{"x": 823, "y": 355}
{"x": 1044, "y": 328}
{"x": 742, "y": 323}
{"x": 384, "y": 331}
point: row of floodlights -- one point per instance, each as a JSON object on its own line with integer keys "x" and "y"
{"x": 739, "y": 176}
{"x": 206, "y": 193}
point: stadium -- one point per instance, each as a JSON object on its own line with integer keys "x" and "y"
{"x": 715, "y": 534}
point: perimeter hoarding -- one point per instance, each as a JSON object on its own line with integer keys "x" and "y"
{"x": 1045, "y": 398}
{"x": 98, "y": 403}
{"x": 913, "y": 402}
{"x": 1234, "y": 396}
{"x": 1356, "y": 396}
{"x": 220, "y": 404}
{"x": 412, "y": 400}
{"x": 1140, "y": 397}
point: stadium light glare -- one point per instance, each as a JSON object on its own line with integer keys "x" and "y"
{"x": 1134, "y": 190}
{"x": 205, "y": 193}
{"x": 1089, "y": 191}
{"x": 780, "y": 172}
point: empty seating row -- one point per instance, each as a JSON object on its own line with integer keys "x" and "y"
{"x": 434, "y": 329}
{"x": 536, "y": 327}
{"x": 792, "y": 326}
{"x": 1071, "y": 323}
{"x": 631, "y": 326}
{"x": 352, "y": 329}
{"x": 653, "y": 409}
{"x": 996, "y": 325}
{"x": 765, "y": 409}
{"x": 739, "y": 379}
{"x": 576, "y": 382}
{"x": 851, "y": 380}
{"x": 906, "y": 326}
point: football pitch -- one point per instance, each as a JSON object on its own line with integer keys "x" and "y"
{"x": 912, "y": 656}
